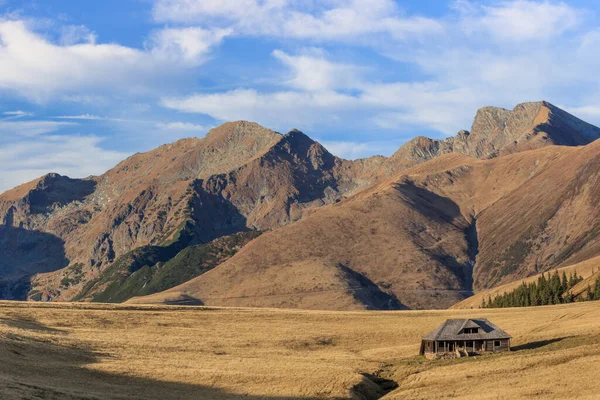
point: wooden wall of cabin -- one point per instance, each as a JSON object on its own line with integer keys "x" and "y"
{"x": 427, "y": 346}
{"x": 498, "y": 345}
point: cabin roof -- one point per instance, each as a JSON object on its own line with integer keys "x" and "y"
{"x": 469, "y": 323}
{"x": 452, "y": 328}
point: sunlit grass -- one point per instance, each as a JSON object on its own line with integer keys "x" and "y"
{"x": 109, "y": 351}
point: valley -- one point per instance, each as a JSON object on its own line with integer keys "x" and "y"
{"x": 99, "y": 351}
{"x": 299, "y": 200}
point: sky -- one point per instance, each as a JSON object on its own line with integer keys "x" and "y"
{"x": 84, "y": 84}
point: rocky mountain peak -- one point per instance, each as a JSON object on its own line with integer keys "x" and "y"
{"x": 241, "y": 131}
{"x": 298, "y": 139}
{"x": 490, "y": 117}
{"x": 497, "y": 131}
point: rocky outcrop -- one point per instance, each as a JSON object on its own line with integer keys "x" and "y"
{"x": 496, "y": 132}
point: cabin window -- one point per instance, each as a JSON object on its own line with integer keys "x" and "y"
{"x": 497, "y": 343}
{"x": 471, "y": 330}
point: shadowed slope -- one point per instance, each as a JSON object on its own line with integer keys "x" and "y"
{"x": 24, "y": 253}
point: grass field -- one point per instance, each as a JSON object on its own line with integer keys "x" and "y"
{"x": 56, "y": 351}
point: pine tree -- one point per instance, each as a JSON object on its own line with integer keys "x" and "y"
{"x": 572, "y": 279}
{"x": 556, "y": 299}
{"x": 568, "y": 297}
{"x": 555, "y": 284}
{"x": 589, "y": 295}
{"x": 565, "y": 283}
{"x": 597, "y": 289}
{"x": 533, "y": 295}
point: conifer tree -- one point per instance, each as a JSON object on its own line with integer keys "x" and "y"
{"x": 565, "y": 283}
{"x": 556, "y": 299}
{"x": 589, "y": 295}
{"x": 597, "y": 289}
{"x": 568, "y": 297}
{"x": 549, "y": 289}
{"x": 572, "y": 279}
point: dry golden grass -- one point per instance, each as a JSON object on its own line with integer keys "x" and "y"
{"x": 117, "y": 352}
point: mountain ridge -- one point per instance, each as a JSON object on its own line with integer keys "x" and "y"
{"x": 423, "y": 219}
{"x": 242, "y": 177}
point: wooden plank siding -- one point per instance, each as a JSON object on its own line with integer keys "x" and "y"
{"x": 504, "y": 345}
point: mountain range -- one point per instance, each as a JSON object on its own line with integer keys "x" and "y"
{"x": 248, "y": 217}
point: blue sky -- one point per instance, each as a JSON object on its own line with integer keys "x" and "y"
{"x": 84, "y": 84}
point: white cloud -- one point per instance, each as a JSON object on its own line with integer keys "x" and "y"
{"x": 88, "y": 117}
{"x": 520, "y": 20}
{"x": 495, "y": 54}
{"x": 88, "y": 99}
{"x": 192, "y": 10}
{"x": 17, "y": 114}
{"x": 30, "y": 128}
{"x": 38, "y": 69}
{"x": 325, "y": 20}
{"x": 183, "y": 126}
{"x": 427, "y": 104}
{"x": 311, "y": 71}
{"x": 271, "y": 109}
{"x": 74, "y": 34}
{"x": 589, "y": 113}
{"x": 353, "y": 150}
{"x": 388, "y": 106}
{"x": 75, "y": 156}
{"x": 356, "y": 18}
{"x": 190, "y": 44}
{"x": 318, "y": 100}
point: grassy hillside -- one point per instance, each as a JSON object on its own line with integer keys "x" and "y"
{"x": 101, "y": 351}
{"x": 151, "y": 269}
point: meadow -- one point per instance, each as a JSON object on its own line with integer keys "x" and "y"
{"x": 96, "y": 351}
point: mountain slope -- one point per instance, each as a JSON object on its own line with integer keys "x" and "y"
{"x": 240, "y": 176}
{"x": 428, "y": 236}
{"x": 148, "y": 269}
{"x": 399, "y": 238}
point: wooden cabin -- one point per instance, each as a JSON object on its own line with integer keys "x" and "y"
{"x": 465, "y": 337}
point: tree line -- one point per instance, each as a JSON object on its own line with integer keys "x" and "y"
{"x": 551, "y": 289}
